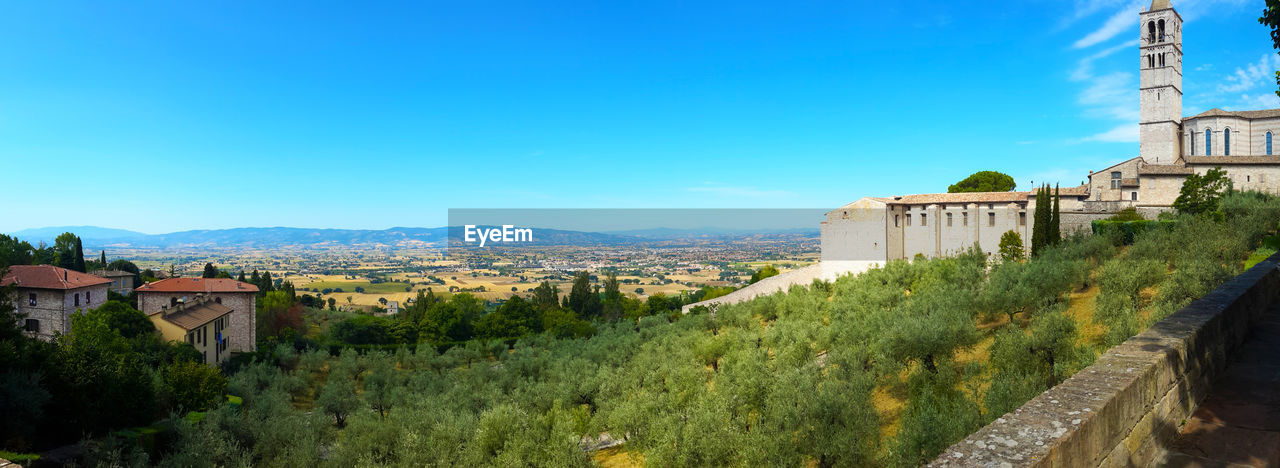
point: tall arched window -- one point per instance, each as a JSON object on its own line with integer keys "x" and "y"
{"x": 1268, "y": 143}
{"x": 1208, "y": 142}
{"x": 1161, "y": 28}
{"x": 1193, "y": 144}
{"x": 1151, "y": 32}
{"x": 1226, "y": 141}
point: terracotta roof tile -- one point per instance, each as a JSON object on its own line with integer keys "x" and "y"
{"x": 1228, "y": 160}
{"x": 50, "y": 277}
{"x": 193, "y": 315}
{"x": 966, "y": 197}
{"x": 1163, "y": 169}
{"x": 222, "y": 285}
{"x": 1256, "y": 114}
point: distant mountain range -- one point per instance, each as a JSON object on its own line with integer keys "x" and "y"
{"x": 275, "y": 237}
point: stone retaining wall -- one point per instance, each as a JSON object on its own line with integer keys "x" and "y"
{"x": 1126, "y": 407}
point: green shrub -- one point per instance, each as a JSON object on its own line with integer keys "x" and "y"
{"x": 1126, "y": 231}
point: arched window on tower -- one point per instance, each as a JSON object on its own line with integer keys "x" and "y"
{"x": 1151, "y": 61}
{"x": 1151, "y": 32}
{"x": 1268, "y": 143}
{"x": 1208, "y": 142}
{"x": 1226, "y": 141}
{"x": 1161, "y": 31}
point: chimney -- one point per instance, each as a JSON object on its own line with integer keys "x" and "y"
{"x": 64, "y": 275}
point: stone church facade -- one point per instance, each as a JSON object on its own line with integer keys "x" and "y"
{"x": 873, "y": 230}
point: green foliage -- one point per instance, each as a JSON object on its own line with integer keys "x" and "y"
{"x": 1271, "y": 19}
{"x": 984, "y": 181}
{"x": 720, "y": 389}
{"x": 1011, "y": 249}
{"x": 1200, "y": 194}
{"x": 1127, "y": 214}
{"x": 1124, "y": 232}
{"x": 764, "y": 272}
{"x": 191, "y": 386}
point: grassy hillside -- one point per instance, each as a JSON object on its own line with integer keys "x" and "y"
{"x": 883, "y": 369}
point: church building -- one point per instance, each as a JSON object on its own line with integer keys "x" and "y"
{"x": 874, "y": 230}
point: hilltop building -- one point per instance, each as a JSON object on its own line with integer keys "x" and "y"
{"x": 47, "y": 296}
{"x": 874, "y": 230}
{"x": 193, "y": 300}
{"x": 121, "y": 281}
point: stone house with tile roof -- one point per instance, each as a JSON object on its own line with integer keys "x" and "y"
{"x": 47, "y": 296}
{"x": 157, "y": 297}
{"x": 202, "y": 322}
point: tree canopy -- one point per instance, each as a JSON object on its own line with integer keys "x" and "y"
{"x": 984, "y": 181}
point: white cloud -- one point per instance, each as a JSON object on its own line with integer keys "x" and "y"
{"x": 1084, "y": 70}
{"x": 1111, "y": 96}
{"x": 1251, "y": 76}
{"x": 1260, "y": 101}
{"x": 1124, "y": 20}
{"x": 1127, "y": 133}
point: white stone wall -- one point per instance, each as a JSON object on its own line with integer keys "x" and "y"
{"x": 1248, "y": 136}
{"x": 1160, "y": 190}
{"x": 855, "y": 232}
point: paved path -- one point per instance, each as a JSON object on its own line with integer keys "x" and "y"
{"x": 1238, "y": 423}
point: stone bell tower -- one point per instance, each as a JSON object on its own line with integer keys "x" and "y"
{"x": 1160, "y": 84}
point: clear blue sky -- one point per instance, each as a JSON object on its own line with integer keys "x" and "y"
{"x": 164, "y": 116}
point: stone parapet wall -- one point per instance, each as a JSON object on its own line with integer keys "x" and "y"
{"x": 1125, "y": 408}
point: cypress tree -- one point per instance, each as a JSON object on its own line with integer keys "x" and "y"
{"x": 1042, "y": 218}
{"x": 103, "y": 260}
{"x": 79, "y": 256}
{"x": 1055, "y": 225}
{"x": 241, "y": 279}
{"x": 255, "y": 279}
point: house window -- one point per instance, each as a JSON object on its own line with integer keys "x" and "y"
{"x": 948, "y": 219}
{"x": 1133, "y": 196}
{"x": 991, "y": 206}
{"x": 924, "y": 219}
{"x": 965, "y": 218}
{"x": 77, "y": 299}
{"x": 173, "y": 301}
{"x": 1022, "y": 218}
{"x": 32, "y": 325}
{"x": 908, "y": 219}
{"x": 1268, "y": 143}
{"x": 88, "y": 297}
{"x": 1226, "y": 141}
{"x": 1208, "y": 142}
{"x": 31, "y": 299}
{"x": 895, "y": 220}
{"x": 1115, "y": 179}
{"x": 991, "y": 219}
{"x": 217, "y": 300}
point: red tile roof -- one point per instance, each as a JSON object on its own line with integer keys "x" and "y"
{"x": 194, "y": 315}
{"x": 50, "y": 277}
{"x": 964, "y": 197}
{"x": 221, "y": 285}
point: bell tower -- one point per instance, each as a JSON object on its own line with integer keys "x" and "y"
{"x": 1160, "y": 84}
